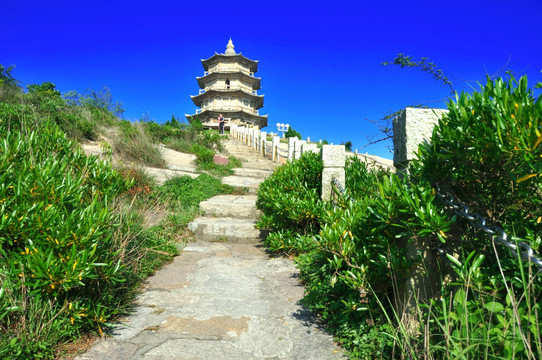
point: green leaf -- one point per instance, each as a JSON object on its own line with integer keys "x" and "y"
{"x": 494, "y": 306}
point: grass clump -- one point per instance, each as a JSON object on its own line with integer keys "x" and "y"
{"x": 133, "y": 145}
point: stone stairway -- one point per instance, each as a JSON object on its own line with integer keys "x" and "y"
{"x": 228, "y": 218}
{"x": 232, "y": 218}
{"x": 255, "y": 168}
{"x": 223, "y": 298}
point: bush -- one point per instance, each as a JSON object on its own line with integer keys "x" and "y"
{"x": 56, "y": 255}
{"x": 351, "y": 257}
{"x": 486, "y": 151}
{"x": 290, "y": 198}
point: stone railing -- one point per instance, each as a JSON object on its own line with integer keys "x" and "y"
{"x": 269, "y": 145}
{"x": 410, "y": 128}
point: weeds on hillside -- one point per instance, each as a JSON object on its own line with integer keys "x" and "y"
{"x": 134, "y": 145}
{"x": 76, "y": 235}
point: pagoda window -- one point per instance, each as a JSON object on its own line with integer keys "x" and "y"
{"x": 227, "y": 83}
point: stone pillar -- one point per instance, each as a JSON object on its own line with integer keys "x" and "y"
{"x": 263, "y": 138}
{"x": 257, "y": 140}
{"x": 309, "y": 148}
{"x": 297, "y": 148}
{"x": 291, "y": 147}
{"x": 410, "y": 128}
{"x": 333, "y": 158}
{"x": 275, "y": 147}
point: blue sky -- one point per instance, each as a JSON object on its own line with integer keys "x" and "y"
{"x": 320, "y": 61}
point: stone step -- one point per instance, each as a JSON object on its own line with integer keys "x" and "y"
{"x": 226, "y": 230}
{"x": 252, "y": 172}
{"x": 236, "y": 206}
{"x": 263, "y": 164}
{"x": 247, "y": 155}
{"x": 251, "y": 183}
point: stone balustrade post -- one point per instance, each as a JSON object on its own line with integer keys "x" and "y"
{"x": 309, "y": 148}
{"x": 263, "y": 135}
{"x": 333, "y": 158}
{"x": 410, "y": 128}
{"x": 257, "y": 140}
{"x": 297, "y": 148}
{"x": 291, "y": 147}
{"x": 275, "y": 148}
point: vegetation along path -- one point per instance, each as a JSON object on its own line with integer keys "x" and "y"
{"x": 223, "y": 297}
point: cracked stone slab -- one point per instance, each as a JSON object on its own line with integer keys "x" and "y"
{"x": 218, "y": 326}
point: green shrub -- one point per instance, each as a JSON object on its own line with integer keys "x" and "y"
{"x": 353, "y": 255}
{"x": 290, "y": 198}
{"x": 486, "y": 151}
{"x": 55, "y": 240}
{"x": 204, "y": 154}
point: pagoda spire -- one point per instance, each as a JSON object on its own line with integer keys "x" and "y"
{"x": 229, "y": 48}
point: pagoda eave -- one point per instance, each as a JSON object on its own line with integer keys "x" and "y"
{"x": 256, "y": 81}
{"x": 252, "y": 64}
{"x": 205, "y": 116}
{"x": 198, "y": 99}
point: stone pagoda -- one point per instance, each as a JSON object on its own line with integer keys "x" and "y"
{"x": 228, "y": 87}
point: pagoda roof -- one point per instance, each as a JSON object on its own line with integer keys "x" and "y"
{"x": 198, "y": 99}
{"x": 239, "y": 58}
{"x": 231, "y": 75}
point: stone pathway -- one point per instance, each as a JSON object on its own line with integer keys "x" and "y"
{"x": 224, "y": 297}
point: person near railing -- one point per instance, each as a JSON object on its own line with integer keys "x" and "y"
{"x": 221, "y": 124}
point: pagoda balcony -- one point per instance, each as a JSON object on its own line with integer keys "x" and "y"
{"x": 228, "y": 69}
{"x": 253, "y": 92}
{"x": 228, "y": 108}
